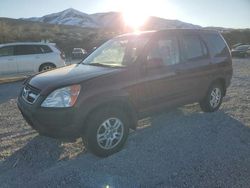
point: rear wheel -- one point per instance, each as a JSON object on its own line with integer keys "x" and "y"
{"x": 213, "y": 99}
{"x": 107, "y": 131}
{"x": 46, "y": 67}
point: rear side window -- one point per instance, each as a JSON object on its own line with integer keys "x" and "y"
{"x": 193, "y": 47}
{"x": 45, "y": 49}
{"x": 216, "y": 44}
{"x": 7, "y": 51}
{"x": 26, "y": 50}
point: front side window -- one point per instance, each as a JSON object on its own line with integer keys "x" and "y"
{"x": 118, "y": 52}
{"x": 165, "y": 50}
{"x": 193, "y": 47}
{"x": 7, "y": 51}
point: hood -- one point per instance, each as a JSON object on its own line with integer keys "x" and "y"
{"x": 73, "y": 74}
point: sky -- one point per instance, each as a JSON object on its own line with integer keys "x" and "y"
{"x": 220, "y": 13}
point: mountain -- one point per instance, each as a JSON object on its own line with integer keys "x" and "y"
{"x": 104, "y": 20}
{"x": 161, "y": 23}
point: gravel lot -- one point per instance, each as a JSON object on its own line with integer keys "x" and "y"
{"x": 180, "y": 148}
{"x": 9, "y": 91}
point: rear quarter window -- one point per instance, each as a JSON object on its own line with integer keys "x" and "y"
{"x": 45, "y": 49}
{"x": 215, "y": 43}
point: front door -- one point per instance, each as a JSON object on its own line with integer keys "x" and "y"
{"x": 8, "y": 64}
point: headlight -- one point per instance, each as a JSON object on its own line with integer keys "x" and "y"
{"x": 63, "y": 97}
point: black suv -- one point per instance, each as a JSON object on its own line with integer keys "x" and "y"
{"x": 125, "y": 79}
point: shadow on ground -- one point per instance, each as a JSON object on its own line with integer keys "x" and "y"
{"x": 180, "y": 149}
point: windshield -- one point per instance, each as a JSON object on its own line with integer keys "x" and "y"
{"x": 118, "y": 52}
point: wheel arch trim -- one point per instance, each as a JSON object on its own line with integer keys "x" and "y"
{"x": 119, "y": 102}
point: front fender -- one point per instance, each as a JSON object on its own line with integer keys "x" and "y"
{"x": 112, "y": 98}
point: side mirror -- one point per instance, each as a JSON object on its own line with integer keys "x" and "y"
{"x": 155, "y": 62}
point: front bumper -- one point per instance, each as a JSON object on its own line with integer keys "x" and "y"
{"x": 53, "y": 122}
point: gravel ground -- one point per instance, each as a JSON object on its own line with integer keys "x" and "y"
{"x": 180, "y": 148}
{"x": 9, "y": 91}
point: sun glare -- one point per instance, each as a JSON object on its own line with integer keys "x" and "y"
{"x": 134, "y": 20}
{"x": 135, "y": 14}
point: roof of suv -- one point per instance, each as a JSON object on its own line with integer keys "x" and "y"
{"x": 148, "y": 33}
{"x": 26, "y": 43}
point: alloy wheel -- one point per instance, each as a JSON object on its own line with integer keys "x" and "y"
{"x": 215, "y": 97}
{"x": 110, "y": 133}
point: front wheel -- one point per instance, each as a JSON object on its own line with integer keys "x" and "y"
{"x": 46, "y": 67}
{"x": 107, "y": 131}
{"x": 213, "y": 99}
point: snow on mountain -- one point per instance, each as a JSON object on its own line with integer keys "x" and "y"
{"x": 104, "y": 20}
{"x": 67, "y": 17}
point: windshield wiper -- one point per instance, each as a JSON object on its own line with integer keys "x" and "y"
{"x": 105, "y": 65}
{"x": 98, "y": 64}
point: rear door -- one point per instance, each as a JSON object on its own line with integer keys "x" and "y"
{"x": 196, "y": 64}
{"x": 28, "y": 58}
{"x": 221, "y": 60}
{"x": 8, "y": 63}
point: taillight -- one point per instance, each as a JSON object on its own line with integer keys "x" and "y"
{"x": 62, "y": 55}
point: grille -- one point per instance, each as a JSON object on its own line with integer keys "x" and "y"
{"x": 30, "y": 94}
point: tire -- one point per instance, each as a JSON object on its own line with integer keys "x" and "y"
{"x": 107, "y": 131}
{"x": 213, "y": 98}
{"x": 46, "y": 67}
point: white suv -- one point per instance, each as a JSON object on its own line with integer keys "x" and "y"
{"x": 27, "y": 58}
